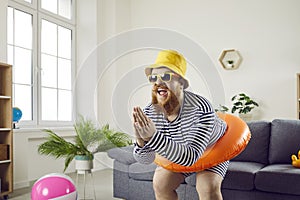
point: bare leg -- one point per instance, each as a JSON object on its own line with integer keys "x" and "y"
{"x": 208, "y": 185}
{"x": 165, "y": 183}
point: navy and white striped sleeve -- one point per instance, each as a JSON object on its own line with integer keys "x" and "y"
{"x": 144, "y": 155}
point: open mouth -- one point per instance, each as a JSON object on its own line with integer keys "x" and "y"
{"x": 162, "y": 92}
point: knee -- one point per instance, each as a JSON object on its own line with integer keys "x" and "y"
{"x": 211, "y": 188}
{"x": 165, "y": 181}
{"x": 210, "y": 191}
{"x": 208, "y": 186}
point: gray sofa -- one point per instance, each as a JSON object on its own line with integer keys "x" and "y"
{"x": 263, "y": 171}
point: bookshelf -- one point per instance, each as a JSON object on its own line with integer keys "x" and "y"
{"x": 6, "y": 133}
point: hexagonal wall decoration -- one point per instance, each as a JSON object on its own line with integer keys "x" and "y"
{"x": 230, "y": 59}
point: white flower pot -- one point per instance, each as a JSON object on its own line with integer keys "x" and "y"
{"x": 83, "y": 163}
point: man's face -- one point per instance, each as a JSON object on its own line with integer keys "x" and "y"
{"x": 166, "y": 94}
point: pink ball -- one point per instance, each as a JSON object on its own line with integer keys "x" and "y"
{"x": 54, "y": 186}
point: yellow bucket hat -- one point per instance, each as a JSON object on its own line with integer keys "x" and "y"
{"x": 172, "y": 60}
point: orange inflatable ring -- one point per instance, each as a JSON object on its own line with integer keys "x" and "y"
{"x": 233, "y": 142}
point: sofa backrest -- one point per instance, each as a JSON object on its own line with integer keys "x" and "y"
{"x": 257, "y": 149}
{"x": 284, "y": 141}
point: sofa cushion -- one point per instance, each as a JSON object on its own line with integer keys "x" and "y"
{"x": 123, "y": 154}
{"x": 257, "y": 148}
{"x": 140, "y": 171}
{"x": 279, "y": 178}
{"x": 240, "y": 176}
{"x": 284, "y": 141}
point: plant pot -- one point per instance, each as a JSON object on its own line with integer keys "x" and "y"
{"x": 83, "y": 163}
{"x": 246, "y": 117}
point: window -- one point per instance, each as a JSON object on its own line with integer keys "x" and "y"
{"x": 59, "y": 7}
{"x": 56, "y": 71}
{"x": 40, "y": 47}
{"x": 20, "y": 51}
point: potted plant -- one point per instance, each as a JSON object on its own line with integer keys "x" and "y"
{"x": 230, "y": 63}
{"x": 243, "y": 104}
{"x": 88, "y": 141}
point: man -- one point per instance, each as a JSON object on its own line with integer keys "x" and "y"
{"x": 178, "y": 125}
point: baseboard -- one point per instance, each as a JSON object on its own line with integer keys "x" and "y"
{"x": 21, "y": 184}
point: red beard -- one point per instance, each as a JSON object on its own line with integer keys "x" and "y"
{"x": 169, "y": 105}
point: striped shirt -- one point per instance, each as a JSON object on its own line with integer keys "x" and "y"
{"x": 183, "y": 140}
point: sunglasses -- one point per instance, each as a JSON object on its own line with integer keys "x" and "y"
{"x": 165, "y": 77}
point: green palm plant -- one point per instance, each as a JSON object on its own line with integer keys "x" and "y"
{"x": 88, "y": 141}
{"x": 58, "y": 147}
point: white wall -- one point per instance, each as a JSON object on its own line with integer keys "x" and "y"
{"x": 266, "y": 33}
{"x": 88, "y": 21}
{"x": 3, "y": 22}
{"x": 28, "y": 164}
{"x": 86, "y": 42}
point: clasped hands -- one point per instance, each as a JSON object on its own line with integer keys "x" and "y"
{"x": 144, "y": 128}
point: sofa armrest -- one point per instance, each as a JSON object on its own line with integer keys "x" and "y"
{"x": 123, "y": 154}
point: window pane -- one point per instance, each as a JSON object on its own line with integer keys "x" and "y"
{"x": 50, "y": 5}
{"x": 10, "y": 25}
{"x": 10, "y": 54}
{"x": 64, "y": 105}
{"x": 23, "y": 66}
{"x": 49, "y": 104}
{"x": 49, "y": 38}
{"x": 64, "y": 8}
{"x": 64, "y": 42}
{"x": 23, "y": 100}
{"x": 64, "y": 74}
{"x": 23, "y": 29}
{"x": 49, "y": 71}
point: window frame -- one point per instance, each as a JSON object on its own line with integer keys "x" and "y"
{"x": 32, "y": 5}
{"x": 69, "y": 21}
{"x": 38, "y": 14}
{"x": 31, "y": 11}
{"x": 42, "y": 16}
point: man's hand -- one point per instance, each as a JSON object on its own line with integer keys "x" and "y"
{"x": 143, "y": 126}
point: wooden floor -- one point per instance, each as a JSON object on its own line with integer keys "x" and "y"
{"x": 102, "y": 181}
